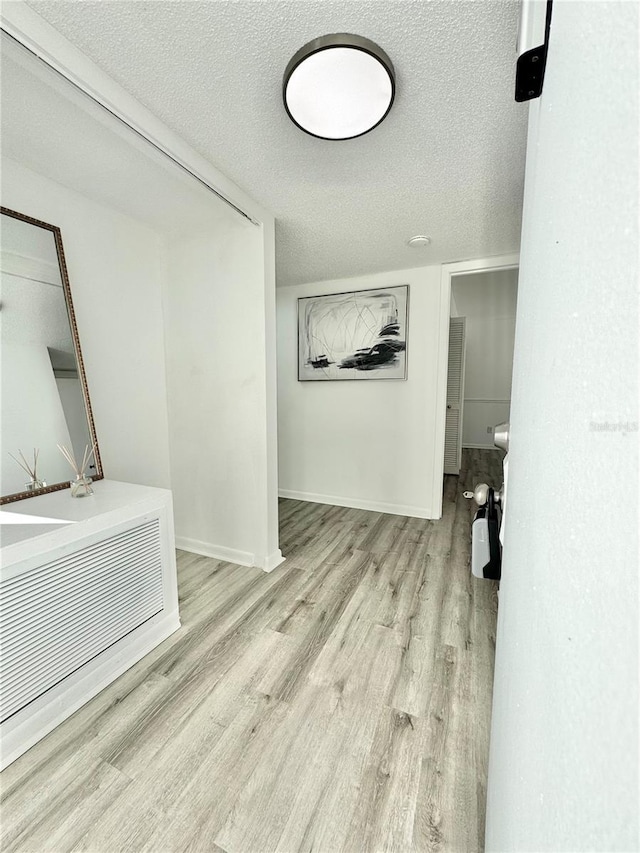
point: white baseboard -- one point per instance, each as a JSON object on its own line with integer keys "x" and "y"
{"x": 230, "y": 555}
{"x": 269, "y": 563}
{"x": 357, "y": 503}
{"x": 218, "y": 552}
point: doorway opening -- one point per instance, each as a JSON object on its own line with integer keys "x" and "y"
{"x": 480, "y": 299}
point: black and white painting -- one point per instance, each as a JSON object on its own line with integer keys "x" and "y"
{"x": 359, "y": 335}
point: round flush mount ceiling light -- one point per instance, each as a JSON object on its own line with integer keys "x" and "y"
{"x": 419, "y": 241}
{"x": 338, "y": 86}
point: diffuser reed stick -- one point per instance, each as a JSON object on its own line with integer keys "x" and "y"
{"x": 30, "y": 469}
{"x": 81, "y": 486}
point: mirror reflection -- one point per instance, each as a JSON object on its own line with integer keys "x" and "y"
{"x": 43, "y": 403}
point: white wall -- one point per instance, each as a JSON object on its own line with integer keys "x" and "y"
{"x": 216, "y": 373}
{"x": 364, "y": 444}
{"x": 488, "y": 301}
{"x": 116, "y": 269}
{"x": 272, "y": 533}
{"x": 563, "y": 770}
{"x": 479, "y": 419}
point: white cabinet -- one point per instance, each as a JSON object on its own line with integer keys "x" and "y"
{"x": 88, "y": 587}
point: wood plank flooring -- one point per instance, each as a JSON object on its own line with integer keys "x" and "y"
{"x": 340, "y": 703}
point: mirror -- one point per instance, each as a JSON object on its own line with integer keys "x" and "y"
{"x": 45, "y": 400}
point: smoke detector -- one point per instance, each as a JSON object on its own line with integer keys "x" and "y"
{"x": 420, "y": 241}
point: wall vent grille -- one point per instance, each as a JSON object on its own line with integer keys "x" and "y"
{"x": 61, "y": 615}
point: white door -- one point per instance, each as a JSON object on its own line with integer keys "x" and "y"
{"x": 455, "y": 396}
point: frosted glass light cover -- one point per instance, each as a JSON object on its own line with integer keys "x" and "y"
{"x": 339, "y": 92}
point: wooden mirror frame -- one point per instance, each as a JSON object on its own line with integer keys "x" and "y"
{"x": 57, "y": 236}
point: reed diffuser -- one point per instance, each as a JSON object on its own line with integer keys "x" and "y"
{"x": 81, "y": 486}
{"x": 31, "y": 469}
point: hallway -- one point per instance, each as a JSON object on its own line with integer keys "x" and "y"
{"x": 341, "y": 703}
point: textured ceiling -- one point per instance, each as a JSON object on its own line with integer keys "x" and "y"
{"x": 448, "y": 161}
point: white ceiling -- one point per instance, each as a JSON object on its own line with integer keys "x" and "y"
{"x": 448, "y": 161}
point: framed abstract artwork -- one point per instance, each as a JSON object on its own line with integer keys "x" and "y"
{"x": 357, "y": 335}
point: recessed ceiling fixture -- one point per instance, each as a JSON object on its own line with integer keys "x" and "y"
{"x": 419, "y": 241}
{"x": 338, "y": 86}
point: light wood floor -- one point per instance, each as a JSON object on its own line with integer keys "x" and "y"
{"x": 340, "y": 703}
